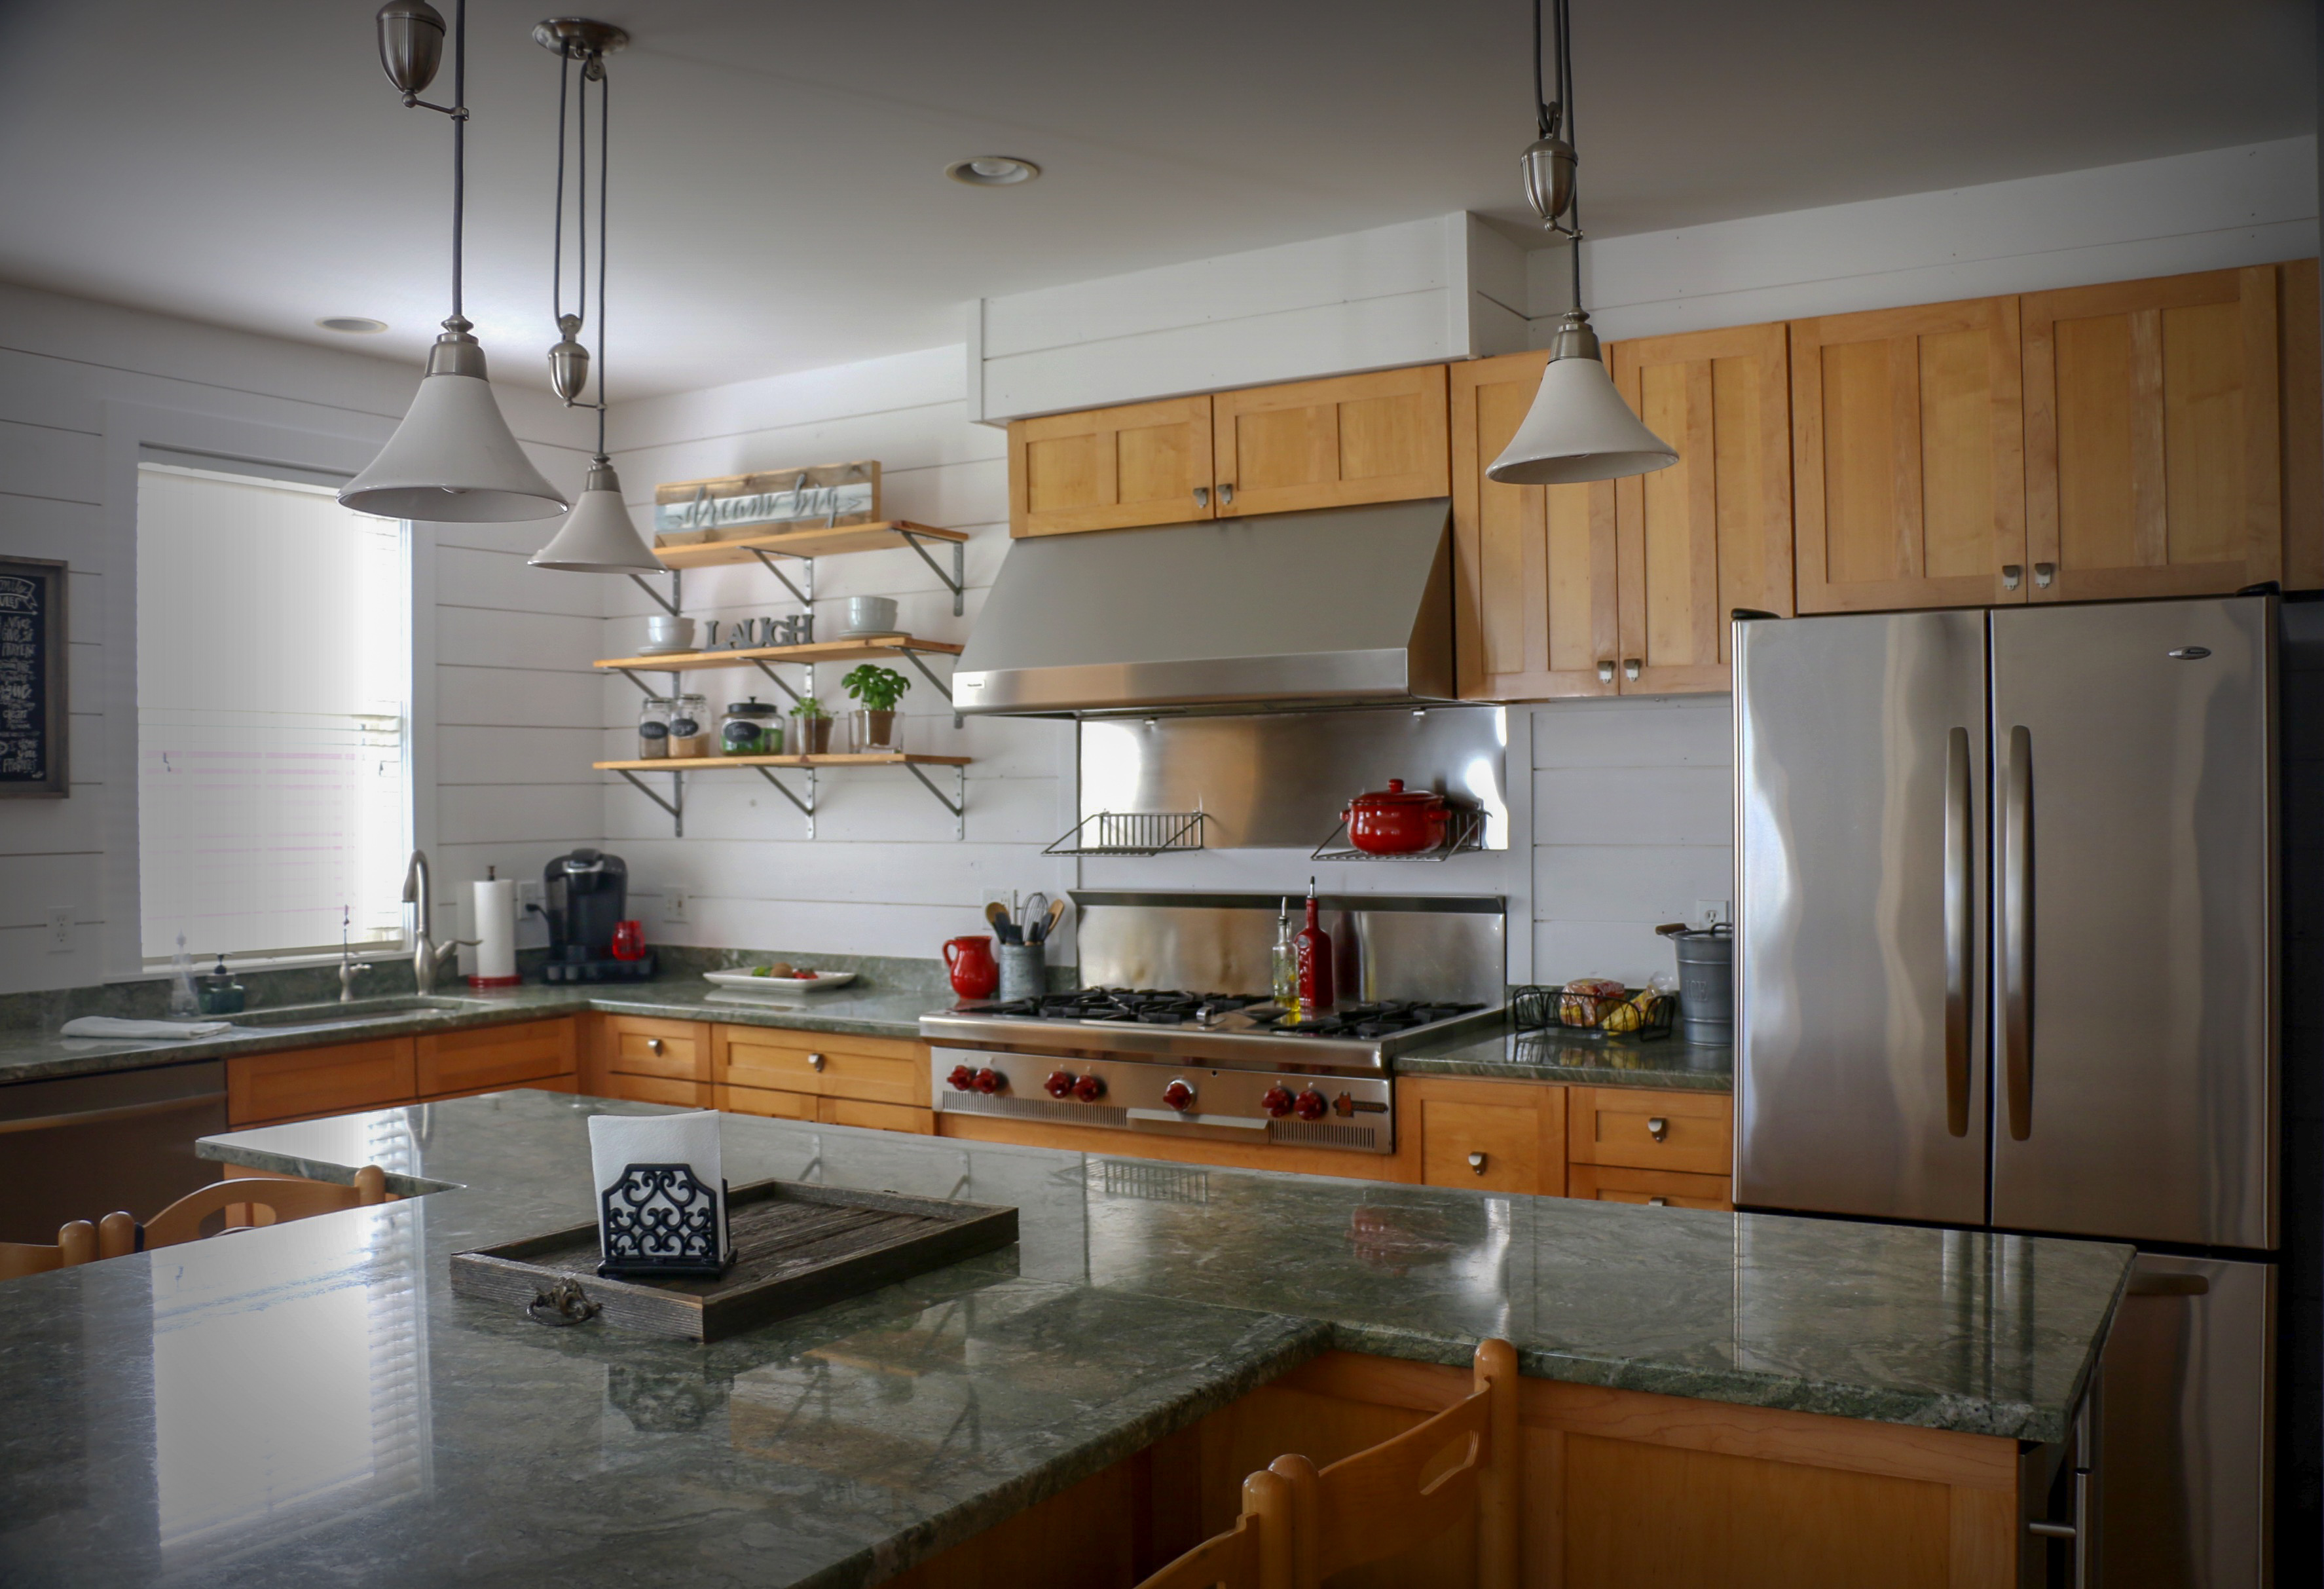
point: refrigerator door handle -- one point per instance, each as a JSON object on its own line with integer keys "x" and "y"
{"x": 2017, "y": 931}
{"x": 1960, "y": 930}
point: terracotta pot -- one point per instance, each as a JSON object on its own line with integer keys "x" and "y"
{"x": 1396, "y": 821}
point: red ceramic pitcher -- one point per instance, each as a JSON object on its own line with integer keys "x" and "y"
{"x": 974, "y": 973}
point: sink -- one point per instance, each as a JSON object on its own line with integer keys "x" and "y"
{"x": 337, "y": 1014}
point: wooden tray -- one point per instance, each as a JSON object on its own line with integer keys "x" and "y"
{"x": 798, "y": 1247}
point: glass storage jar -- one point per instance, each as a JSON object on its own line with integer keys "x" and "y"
{"x": 750, "y": 728}
{"x": 689, "y": 725}
{"x": 653, "y": 728}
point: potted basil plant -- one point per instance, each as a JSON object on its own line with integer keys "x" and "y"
{"x": 814, "y": 726}
{"x": 876, "y": 691}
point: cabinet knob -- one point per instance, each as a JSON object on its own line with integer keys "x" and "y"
{"x": 2011, "y": 573}
{"x": 814, "y": 1062}
{"x": 1630, "y": 667}
{"x": 1658, "y": 1202}
{"x": 2043, "y": 573}
{"x": 653, "y": 1045}
{"x": 1606, "y": 671}
{"x": 1477, "y": 1162}
{"x": 1202, "y": 496}
{"x": 1657, "y": 1128}
{"x": 1226, "y": 493}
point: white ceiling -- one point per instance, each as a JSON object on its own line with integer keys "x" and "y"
{"x": 777, "y": 196}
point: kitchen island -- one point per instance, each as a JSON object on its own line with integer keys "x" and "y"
{"x": 310, "y": 1400}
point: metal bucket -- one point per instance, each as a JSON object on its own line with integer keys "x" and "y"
{"x": 1706, "y": 985}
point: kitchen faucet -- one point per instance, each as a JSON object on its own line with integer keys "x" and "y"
{"x": 428, "y": 956}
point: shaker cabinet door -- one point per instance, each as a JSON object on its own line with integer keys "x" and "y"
{"x": 1713, "y": 532}
{"x": 1334, "y": 443}
{"x": 1908, "y": 458}
{"x": 1534, "y": 593}
{"x": 1111, "y": 468}
{"x": 2151, "y": 448}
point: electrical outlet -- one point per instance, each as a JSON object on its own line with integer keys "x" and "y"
{"x": 1713, "y": 913}
{"x": 61, "y": 931}
{"x": 527, "y": 893}
{"x": 673, "y": 905}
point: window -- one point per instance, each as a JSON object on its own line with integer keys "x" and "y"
{"x": 273, "y": 716}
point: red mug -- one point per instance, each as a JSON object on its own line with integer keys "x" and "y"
{"x": 629, "y": 940}
{"x": 974, "y": 973}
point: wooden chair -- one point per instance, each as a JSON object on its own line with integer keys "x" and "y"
{"x": 283, "y": 1198}
{"x": 1255, "y": 1554}
{"x": 1386, "y": 1500}
{"x": 76, "y": 1244}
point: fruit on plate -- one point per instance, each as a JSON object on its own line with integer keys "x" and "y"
{"x": 779, "y": 968}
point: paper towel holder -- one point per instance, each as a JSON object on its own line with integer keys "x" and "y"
{"x": 663, "y": 1222}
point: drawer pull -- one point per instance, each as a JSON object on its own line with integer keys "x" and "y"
{"x": 653, "y": 1045}
{"x": 814, "y": 1062}
{"x": 1657, "y": 1127}
{"x": 1658, "y": 1202}
{"x": 1477, "y": 1162}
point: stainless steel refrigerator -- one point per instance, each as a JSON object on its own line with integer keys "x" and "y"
{"x": 2006, "y": 956}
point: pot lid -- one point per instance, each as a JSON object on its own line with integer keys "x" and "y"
{"x": 753, "y": 707}
{"x": 1396, "y": 794}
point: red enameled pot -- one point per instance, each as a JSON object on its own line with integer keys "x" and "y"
{"x": 1396, "y": 821}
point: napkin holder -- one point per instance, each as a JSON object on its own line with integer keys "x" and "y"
{"x": 663, "y": 1222}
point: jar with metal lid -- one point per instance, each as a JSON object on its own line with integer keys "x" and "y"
{"x": 653, "y": 728}
{"x": 750, "y": 728}
{"x": 689, "y": 725}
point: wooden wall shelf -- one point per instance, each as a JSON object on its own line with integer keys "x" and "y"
{"x": 832, "y": 650}
{"x": 703, "y": 763}
{"x": 816, "y": 542}
{"x": 956, "y": 802}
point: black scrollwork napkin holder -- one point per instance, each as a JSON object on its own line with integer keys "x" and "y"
{"x": 662, "y": 1221}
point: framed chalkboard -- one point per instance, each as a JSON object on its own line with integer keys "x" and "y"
{"x": 33, "y": 712}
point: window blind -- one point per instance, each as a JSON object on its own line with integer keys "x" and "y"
{"x": 273, "y": 677}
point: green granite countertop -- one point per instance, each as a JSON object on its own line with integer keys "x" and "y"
{"x": 309, "y": 1402}
{"x": 1549, "y": 1055}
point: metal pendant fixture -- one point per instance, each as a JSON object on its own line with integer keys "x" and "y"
{"x": 1579, "y": 427}
{"x": 453, "y": 458}
{"x": 597, "y": 537}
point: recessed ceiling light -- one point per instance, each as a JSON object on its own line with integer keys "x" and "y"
{"x": 354, "y": 324}
{"x": 993, "y": 170}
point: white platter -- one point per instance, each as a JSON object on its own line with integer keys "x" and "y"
{"x": 783, "y": 984}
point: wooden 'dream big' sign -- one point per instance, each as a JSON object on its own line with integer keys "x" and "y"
{"x": 32, "y": 711}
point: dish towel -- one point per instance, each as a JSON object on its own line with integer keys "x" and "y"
{"x": 649, "y": 1207}
{"x": 109, "y": 1026}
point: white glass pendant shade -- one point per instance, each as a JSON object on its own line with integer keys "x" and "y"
{"x": 597, "y": 537}
{"x": 452, "y": 459}
{"x": 1579, "y": 429}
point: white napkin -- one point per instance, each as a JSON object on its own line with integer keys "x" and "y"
{"x": 616, "y": 1141}
{"x": 109, "y": 1026}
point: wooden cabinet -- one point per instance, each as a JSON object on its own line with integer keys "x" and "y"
{"x": 1908, "y": 458}
{"x": 1655, "y": 1134}
{"x": 487, "y": 1059}
{"x": 2152, "y": 454}
{"x": 1534, "y": 604}
{"x": 769, "y": 1104}
{"x": 1713, "y": 532}
{"x": 651, "y": 1061}
{"x": 891, "y": 1071}
{"x": 1494, "y": 1135}
{"x": 303, "y": 1084}
{"x": 1320, "y": 444}
{"x": 1145, "y": 463}
{"x": 1672, "y": 1189}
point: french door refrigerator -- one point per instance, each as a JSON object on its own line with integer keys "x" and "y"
{"x": 2006, "y": 956}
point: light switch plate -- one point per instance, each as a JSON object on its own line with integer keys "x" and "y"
{"x": 673, "y": 905}
{"x": 1712, "y": 914}
{"x": 61, "y": 931}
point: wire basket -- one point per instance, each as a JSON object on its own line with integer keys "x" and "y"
{"x": 1132, "y": 833}
{"x": 1639, "y": 1012}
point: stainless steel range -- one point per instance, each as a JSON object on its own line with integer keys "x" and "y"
{"x": 1230, "y": 1066}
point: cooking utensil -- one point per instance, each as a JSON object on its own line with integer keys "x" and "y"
{"x": 1004, "y": 929}
{"x": 1047, "y": 927}
{"x": 1396, "y": 821}
{"x": 1035, "y": 906}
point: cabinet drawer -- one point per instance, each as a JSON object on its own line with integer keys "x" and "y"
{"x": 308, "y": 1081}
{"x": 655, "y": 1089}
{"x": 1614, "y": 1183}
{"x": 1644, "y": 1130}
{"x": 1492, "y": 1147}
{"x": 874, "y": 1070}
{"x": 877, "y": 1116}
{"x": 490, "y": 1057}
{"x": 767, "y": 1102}
{"x": 675, "y": 1050}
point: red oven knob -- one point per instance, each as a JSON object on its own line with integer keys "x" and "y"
{"x": 1089, "y": 1089}
{"x": 961, "y": 1079}
{"x": 1058, "y": 1086}
{"x": 988, "y": 1080}
{"x": 1312, "y": 1104}
{"x": 1276, "y": 1101}
{"x": 1179, "y": 1094}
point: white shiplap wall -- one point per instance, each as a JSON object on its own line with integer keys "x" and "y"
{"x": 81, "y": 387}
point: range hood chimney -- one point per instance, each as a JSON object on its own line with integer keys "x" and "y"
{"x": 1338, "y": 607}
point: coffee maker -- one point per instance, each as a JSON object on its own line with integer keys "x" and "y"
{"x": 586, "y": 892}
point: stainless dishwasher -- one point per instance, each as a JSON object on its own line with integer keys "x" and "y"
{"x": 78, "y": 1146}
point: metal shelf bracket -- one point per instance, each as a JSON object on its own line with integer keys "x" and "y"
{"x": 959, "y": 803}
{"x": 804, "y": 596}
{"x": 667, "y": 603}
{"x": 760, "y": 663}
{"x": 957, "y": 580}
{"x": 929, "y": 674}
{"x": 675, "y": 805}
{"x": 806, "y": 805}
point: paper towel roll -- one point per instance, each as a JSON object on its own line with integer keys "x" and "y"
{"x": 496, "y": 907}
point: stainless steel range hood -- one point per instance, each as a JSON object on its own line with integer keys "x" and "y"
{"x": 1339, "y": 607}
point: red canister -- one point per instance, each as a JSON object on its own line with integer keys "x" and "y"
{"x": 974, "y": 973}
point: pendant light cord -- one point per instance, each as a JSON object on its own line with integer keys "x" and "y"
{"x": 459, "y": 143}
{"x": 604, "y": 161}
{"x": 556, "y": 235}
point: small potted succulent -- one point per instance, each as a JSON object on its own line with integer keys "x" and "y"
{"x": 876, "y": 691}
{"x": 814, "y": 726}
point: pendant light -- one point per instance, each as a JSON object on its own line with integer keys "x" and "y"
{"x": 1578, "y": 428}
{"x": 453, "y": 457}
{"x": 597, "y": 537}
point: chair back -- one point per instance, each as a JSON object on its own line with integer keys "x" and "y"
{"x": 76, "y": 1244}
{"x": 283, "y": 1198}
{"x": 1255, "y": 1554}
{"x": 1459, "y": 1464}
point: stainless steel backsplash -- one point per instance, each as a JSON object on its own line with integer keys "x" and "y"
{"x": 1384, "y": 947}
